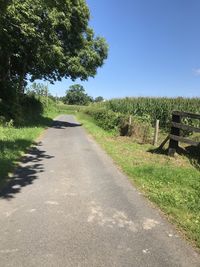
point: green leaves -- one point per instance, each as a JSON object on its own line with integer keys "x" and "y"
{"x": 154, "y": 108}
{"x": 76, "y": 95}
{"x": 48, "y": 39}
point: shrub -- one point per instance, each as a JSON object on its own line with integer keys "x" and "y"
{"x": 106, "y": 119}
{"x": 31, "y": 107}
{"x": 139, "y": 128}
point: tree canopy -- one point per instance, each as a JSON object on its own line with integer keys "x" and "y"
{"x": 47, "y": 39}
{"x": 38, "y": 89}
{"x": 99, "y": 99}
{"x": 76, "y": 95}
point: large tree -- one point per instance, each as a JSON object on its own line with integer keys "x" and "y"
{"x": 76, "y": 95}
{"x": 99, "y": 99}
{"x": 47, "y": 39}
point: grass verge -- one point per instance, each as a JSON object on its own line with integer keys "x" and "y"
{"x": 172, "y": 183}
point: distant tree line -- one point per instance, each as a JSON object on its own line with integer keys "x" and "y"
{"x": 75, "y": 95}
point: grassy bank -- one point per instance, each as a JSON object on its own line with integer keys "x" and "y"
{"x": 172, "y": 183}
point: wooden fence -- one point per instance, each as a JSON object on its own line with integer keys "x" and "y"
{"x": 177, "y": 125}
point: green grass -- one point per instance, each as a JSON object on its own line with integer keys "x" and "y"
{"x": 172, "y": 183}
{"x": 13, "y": 142}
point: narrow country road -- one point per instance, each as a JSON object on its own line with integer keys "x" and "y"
{"x": 70, "y": 206}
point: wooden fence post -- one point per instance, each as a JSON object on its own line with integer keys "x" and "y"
{"x": 130, "y": 120}
{"x": 173, "y": 144}
{"x": 155, "y": 140}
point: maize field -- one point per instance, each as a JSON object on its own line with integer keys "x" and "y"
{"x": 156, "y": 108}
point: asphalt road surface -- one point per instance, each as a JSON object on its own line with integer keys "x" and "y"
{"x": 69, "y": 205}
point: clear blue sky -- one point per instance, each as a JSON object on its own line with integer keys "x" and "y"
{"x": 154, "y": 49}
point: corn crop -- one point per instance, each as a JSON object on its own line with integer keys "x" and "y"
{"x": 157, "y": 108}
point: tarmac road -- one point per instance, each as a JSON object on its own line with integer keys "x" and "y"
{"x": 69, "y": 205}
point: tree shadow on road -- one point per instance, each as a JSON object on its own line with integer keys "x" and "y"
{"x": 30, "y": 165}
{"x": 63, "y": 124}
{"x": 25, "y": 174}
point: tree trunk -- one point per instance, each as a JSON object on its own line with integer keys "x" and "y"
{"x": 22, "y": 80}
{"x": 21, "y": 84}
{"x": 5, "y": 76}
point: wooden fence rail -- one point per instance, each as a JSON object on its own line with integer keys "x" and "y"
{"x": 177, "y": 125}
